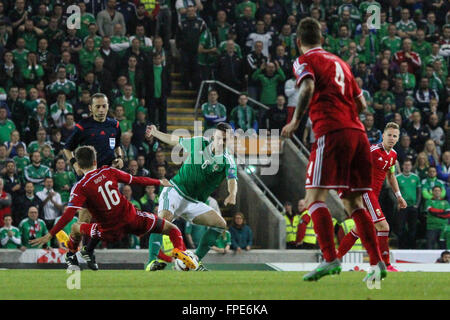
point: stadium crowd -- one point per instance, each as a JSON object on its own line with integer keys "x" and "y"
{"x": 50, "y": 67}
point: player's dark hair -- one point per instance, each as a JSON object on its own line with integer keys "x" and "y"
{"x": 309, "y": 31}
{"x": 223, "y": 126}
{"x": 97, "y": 96}
{"x": 85, "y": 156}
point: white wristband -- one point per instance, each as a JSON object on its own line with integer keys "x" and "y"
{"x": 398, "y": 194}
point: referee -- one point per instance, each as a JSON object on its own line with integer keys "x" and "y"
{"x": 104, "y": 135}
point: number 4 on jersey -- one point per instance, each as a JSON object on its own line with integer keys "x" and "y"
{"x": 340, "y": 78}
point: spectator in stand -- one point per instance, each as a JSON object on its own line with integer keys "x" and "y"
{"x": 408, "y": 79}
{"x": 51, "y": 202}
{"x": 141, "y": 18}
{"x": 241, "y": 234}
{"x": 373, "y": 134}
{"x": 149, "y": 200}
{"x": 260, "y": 35}
{"x": 421, "y": 165}
{"x": 3, "y": 159}
{"x": 213, "y": 111}
{"x": 55, "y": 144}
{"x": 444, "y": 258}
{"x": 230, "y": 71}
{"x": 207, "y": 55}
{"x": 223, "y": 243}
{"x": 443, "y": 169}
{"x": 245, "y": 25}
{"x": 431, "y": 151}
{"x": 21, "y": 160}
{"x": 146, "y": 42}
{"x": 276, "y": 117}
{"x": 107, "y": 18}
{"x": 406, "y": 27}
{"x": 159, "y": 160}
{"x": 438, "y": 213}
{"x": 24, "y": 202}
{"x": 409, "y": 184}
{"x": 424, "y": 95}
{"x": 142, "y": 171}
{"x": 292, "y": 223}
{"x": 255, "y": 60}
{"x": 7, "y": 126}
{"x": 129, "y": 102}
{"x": 404, "y": 150}
{"x": 418, "y": 132}
{"x": 188, "y": 38}
{"x": 63, "y": 180}
{"x": 129, "y": 151}
{"x": 437, "y": 134}
{"x": 142, "y": 58}
{"x": 269, "y": 76}
{"x": 12, "y": 182}
{"x": 11, "y": 145}
{"x": 60, "y": 109}
{"x": 68, "y": 128}
{"x": 135, "y": 76}
{"x": 408, "y": 56}
{"x": 31, "y": 228}
{"x": 110, "y": 57}
{"x": 10, "y": 236}
{"x": 430, "y": 182}
{"x": 128, "y": 194}
{"x": 159, "y": 87}
{"x": 87, "y": 56}
{"x": 5, "y": 202}
{"x": 36, "y": 172}
{"x": 138, "y": 190}
{"x": 103, "y": 76}
{"x": 243, "y": 116}
{"x": 138, "y": 128}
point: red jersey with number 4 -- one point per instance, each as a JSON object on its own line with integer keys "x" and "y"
{"x": 382, "y": 162}
{"x": 333, "y": 104}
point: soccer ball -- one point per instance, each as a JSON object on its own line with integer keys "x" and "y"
{"x": 179, "y": 265}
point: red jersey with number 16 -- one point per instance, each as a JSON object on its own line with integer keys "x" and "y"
{"x": 333, "y": 104}
{"x": 98, "y": 191}
{"x": 382, "y": 161}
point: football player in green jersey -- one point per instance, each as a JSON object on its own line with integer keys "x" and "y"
{"x": 207, "y": 165}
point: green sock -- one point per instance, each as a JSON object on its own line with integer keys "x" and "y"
{"x": 208, "y": 239}
{"x": 154, "y": 244}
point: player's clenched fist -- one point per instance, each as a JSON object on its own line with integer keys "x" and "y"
{"x": 165, "y": 183}
{"x": 150, "y": 130}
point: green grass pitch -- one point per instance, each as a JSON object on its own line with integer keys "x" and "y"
{"x": 220, "y": 285}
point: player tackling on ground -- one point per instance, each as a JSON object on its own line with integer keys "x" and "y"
{"x": 340, "y": 158}
{"x": 384, "y": 159}
{"x": 115, "y": 216}
{"x": 207, "y": 165}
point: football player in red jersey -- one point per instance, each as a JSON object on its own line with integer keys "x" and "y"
{"x": 115, "y": 216}
{"x": 384, "y": 158}
{"x": 340, "y": 159}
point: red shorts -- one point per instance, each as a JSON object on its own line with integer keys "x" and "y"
{"x": 140, "y": 224}
{"x": 371, "y": 203}
{"x": 340, "y": 160}
{"x": 373, "y": 206}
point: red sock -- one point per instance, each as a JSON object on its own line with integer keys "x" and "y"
{"x": 347, "y": 243}
{"x": 366, "y": 231}
{"x": 383, "y": 242}
{"x": 323, "y": 227}
{"x": 73, "y": 244}
{"x": 177, "y": 239}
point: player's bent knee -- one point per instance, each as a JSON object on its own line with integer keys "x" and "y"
{"x": 75, "y": 229}
{"x": 166, "y": 215}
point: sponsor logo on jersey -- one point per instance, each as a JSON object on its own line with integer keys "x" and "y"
{"x": 380, "y": 158}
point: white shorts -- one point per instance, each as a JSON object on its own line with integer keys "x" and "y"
{"x": 171, "y": 200}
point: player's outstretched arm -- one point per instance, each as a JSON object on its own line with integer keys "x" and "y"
{"x": 306, "y": 92}
{"x": 170, "y": 139}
